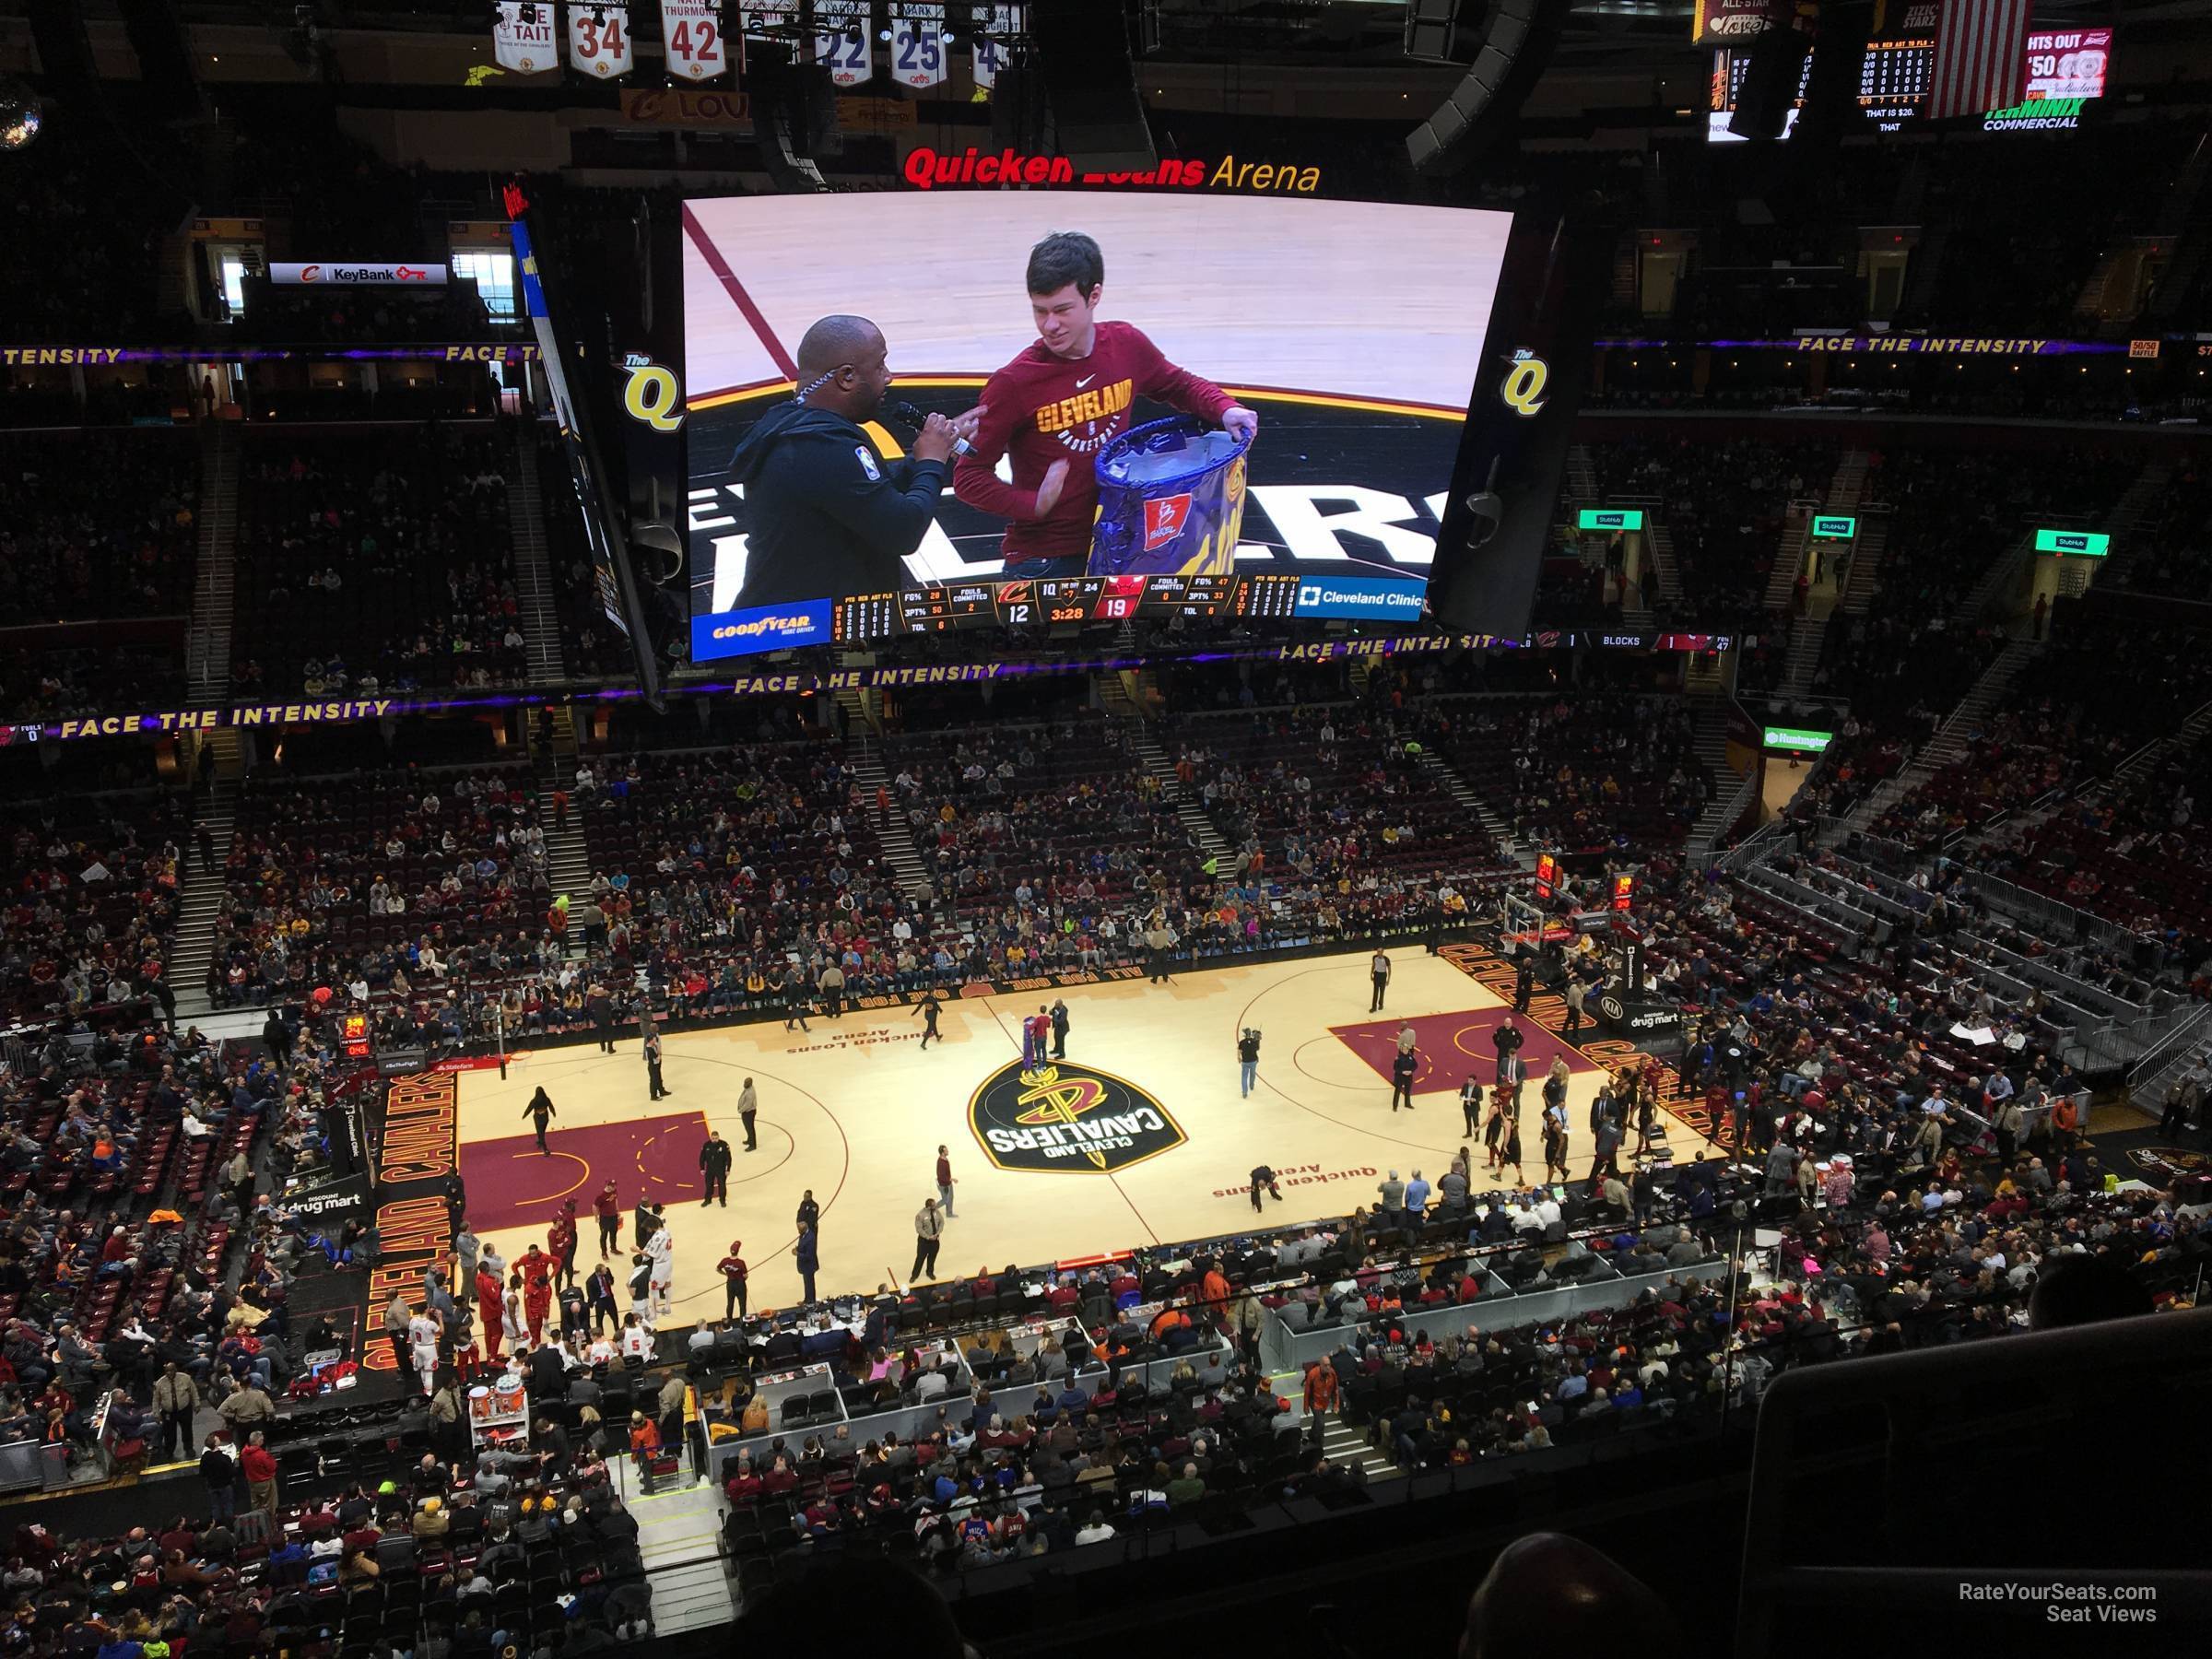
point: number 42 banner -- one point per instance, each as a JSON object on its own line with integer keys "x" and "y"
{"x": 692, "y": 35}
{"x": 599, "y": 40}
{"x": 918, "y": 45}
{"x": 843, "y": 40}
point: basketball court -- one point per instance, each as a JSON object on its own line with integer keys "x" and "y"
{"x": 1138, "y": 1137}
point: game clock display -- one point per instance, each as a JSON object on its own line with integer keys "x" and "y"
{"x": 1016, "y": 603}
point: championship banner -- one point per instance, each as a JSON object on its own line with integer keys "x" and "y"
{"x": 692, "y": 40}
{"x": 918, "y": 46}
{"x": 521, "y": 37}
{"x": 990, "y": 56}
{"x": 599, "y": 40}
{"x": 295, "y": 274}
{"x": 1718, "y": 22}
{"x": 841, "y": 29}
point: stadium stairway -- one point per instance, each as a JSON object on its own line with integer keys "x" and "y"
{"x": 1659, "y": 550}
{"x": 1460, "y": 790}
{"x": 1343, "y": 1445}
{"x": 2186, "y": 217}
{"x": 2131, "y": 514}
{"x": 1809, "y": 634}
{"x": 892, "y": 830}
{"x": 193, "y": 950}
{"x": 1582, "y": 477}
{"x": 679, "y": 1541}
{"x": 1866, "y": 561}
{"x": 1197, "y": 825}
{"x": 1950, "y": 739}
{"x": 533, "y": 570}
{"x": 568, "y": 854}
{"x": 1709, "y": 742}
{"x": 215, "y": 580}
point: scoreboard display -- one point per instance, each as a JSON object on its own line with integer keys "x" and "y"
{"x": 1061, "y": 600}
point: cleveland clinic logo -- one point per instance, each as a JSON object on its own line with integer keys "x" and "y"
{"x": 1068, "y": 1119}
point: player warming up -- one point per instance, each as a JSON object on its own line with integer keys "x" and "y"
{"x": 1053, "y": 409}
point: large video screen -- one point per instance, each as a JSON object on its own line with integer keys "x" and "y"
{"x": 1162, "y": 404}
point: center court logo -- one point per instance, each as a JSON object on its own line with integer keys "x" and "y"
{"x": 1068, "y": 1119}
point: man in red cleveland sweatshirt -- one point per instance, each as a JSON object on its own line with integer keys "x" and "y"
{"x": 1057, "y": 404}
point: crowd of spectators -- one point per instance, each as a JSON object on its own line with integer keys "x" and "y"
{"x": 1723, "y": 505}
{"x": 380, "y": 882}
{"x": 91, "y": 906}
{"x": 375, "y": 561}
{"x": 2175, "y": 559}
{"x": 97, "y": 523}
{"x": 2101, "y": 689}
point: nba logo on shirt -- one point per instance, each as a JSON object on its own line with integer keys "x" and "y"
{"x": 1164, "y": 519}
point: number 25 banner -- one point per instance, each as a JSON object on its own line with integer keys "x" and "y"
{"x": 599, "y": 40}
{"x": 692, "y": 32}
{"x": 918, "y": 45}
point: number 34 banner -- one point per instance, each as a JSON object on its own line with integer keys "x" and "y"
{"x": 918, "y": 45}
{"x": 599, "y": 40}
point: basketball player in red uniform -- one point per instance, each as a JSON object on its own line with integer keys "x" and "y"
{"x": 1057, "y": 406}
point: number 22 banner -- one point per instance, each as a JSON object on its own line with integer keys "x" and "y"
{"x": 918, "y": 45}
{"x": 599, "y": 40}
{"x": 844, "y": 40}
{"x": 691, "y": 33}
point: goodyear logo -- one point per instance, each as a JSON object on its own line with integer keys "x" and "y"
{"x": 1068, "y": 1119}
{"x": 760, "y": 628}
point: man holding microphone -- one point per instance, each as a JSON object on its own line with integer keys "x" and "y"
{"x": 831, "y": 517}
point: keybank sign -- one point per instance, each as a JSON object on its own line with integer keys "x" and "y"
{"x": 1362, "y": 598}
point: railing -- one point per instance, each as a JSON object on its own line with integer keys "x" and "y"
{"x": 2195, "y": 1022}
{"x": 1913, "y": 1562}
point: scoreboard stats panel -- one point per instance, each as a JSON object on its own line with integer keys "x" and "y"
{"x": 1017, "y": 602}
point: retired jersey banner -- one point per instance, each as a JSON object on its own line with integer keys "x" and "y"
{"x": 599, "y": 40}
{"x": 521, "y": 37}
{"x": 918, "y": 46}
{"x": 990, "y": 56}
{"x": 842, "y": 41}
{"x": 692, "y": 38}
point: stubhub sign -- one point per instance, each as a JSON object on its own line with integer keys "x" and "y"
{"x": 1360, "y": 598}
{"x": 760, "y": 628}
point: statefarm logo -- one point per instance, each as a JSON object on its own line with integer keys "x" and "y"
{"x": 1164, "y": 519}
{"x": 927, "y": 168}
{"x": 1068, "y": 1119}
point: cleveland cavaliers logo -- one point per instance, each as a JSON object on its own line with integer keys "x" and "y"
{"x": 1068, "y": 1119}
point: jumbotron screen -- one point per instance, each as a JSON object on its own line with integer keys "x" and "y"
{"x": 909, "y": 415}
